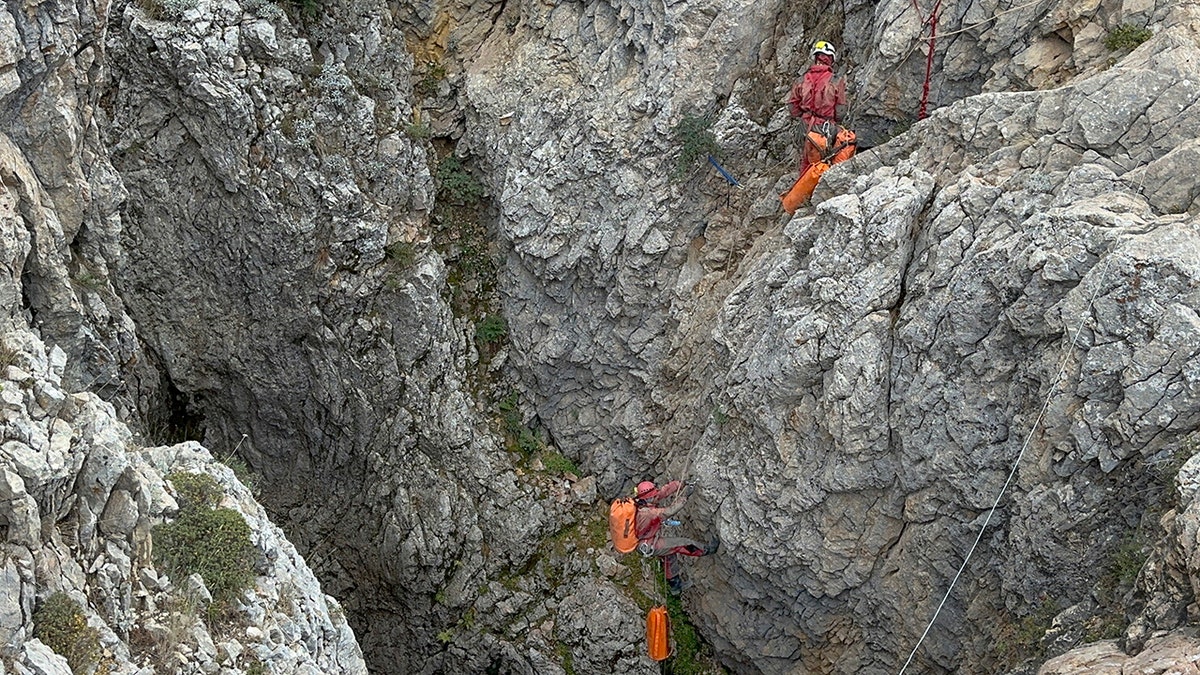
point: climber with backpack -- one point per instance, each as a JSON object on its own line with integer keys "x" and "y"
{"x": 652, "y": 515}
{"x": 815, "y": 100}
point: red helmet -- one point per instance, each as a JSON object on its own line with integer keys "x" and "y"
{"x": 644, "y": 489}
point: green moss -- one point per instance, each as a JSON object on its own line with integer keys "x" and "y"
{"x": 212, "y": 542}
{"x": 695, "y": 140}
{"x": 1126, "y": 37}
{"x": 565, "y": 659}
{"x": 62, "y": 626}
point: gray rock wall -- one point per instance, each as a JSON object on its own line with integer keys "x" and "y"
{"x": 847, "y": 388}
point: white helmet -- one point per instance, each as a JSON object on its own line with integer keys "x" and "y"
{"x": 823, "y": 47}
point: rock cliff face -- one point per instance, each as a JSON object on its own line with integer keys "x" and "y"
{"x": 229, "y": 220}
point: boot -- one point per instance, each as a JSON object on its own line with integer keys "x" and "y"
{"x": 675, "y": 585}
{"x": 712, "y": 546}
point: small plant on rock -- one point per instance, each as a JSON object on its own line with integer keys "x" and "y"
{"x": 206, "y": 540}
{"x": 491, "y": 330}
{"x": 1126, "y": 37}
{"x": 557, "y": 463}
{"x": 434, "y": 73}
{"x": 8, "y": 356}
{"x": 455, "y": 183}
{"x": 62, "y": 626}
{"x": 400, "y": 254}
{"x": 696, "y": 141}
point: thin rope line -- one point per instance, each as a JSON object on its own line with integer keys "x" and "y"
{"x": 1016, "y": 464}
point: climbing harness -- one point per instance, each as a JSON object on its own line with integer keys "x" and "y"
{"x": 1062, "y": 368}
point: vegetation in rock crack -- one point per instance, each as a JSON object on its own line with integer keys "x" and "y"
{"x": 694, "y": 137}
{"x": 90, "y": 281}
{"x": 565, "y": 660}
{"x": 455, "y": 183}
{"x": 1021, "y": 640}
{"x": 245, "y": 475}
{"x": 1126, "y": 37}
{"x": 519, "y": 436}
{"x": 1127, "y": 561}
{"x": 400, "y": 255}
{"x": 61, "y": 624}
{"x": 255, "y": 667}
{"x": 308, "y": 9}
{"x": 161, "y": 10}
{"x": 418, "y": 131}
{"x": 205, "y": 539}
{"x": 491, "y": 331}
{"x": 432, "y": 74}
{"x": 557, "y": 463}
{"x": 158, "y": 646}
{"x": 8, "y": 356}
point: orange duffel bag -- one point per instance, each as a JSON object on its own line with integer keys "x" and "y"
{"x": 804, "y": 187}
{"x": 658, "y": 633}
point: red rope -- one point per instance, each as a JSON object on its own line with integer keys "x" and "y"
{"x": 933, "y": 21}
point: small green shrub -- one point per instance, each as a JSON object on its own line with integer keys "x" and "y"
{"x": 244, "y": 473}
{"x": 510, "y": 413}
{"x": 308, "y": 9}
{"x": 161, "y": 10}
{"x": 212, "y": 542}
{"x": 491, "y": 330}
{"x": 455, "y": 183}
{"x": 446, "y": 637}
{"x": 529, "y": 443}
{"x": 695, "y": 139}
{"x": 196, "y": 490}
{"x": 1126, "y": 37}
{"x": 401, "y": 254}
{"x": 419, "y": 131}
{"x": 434, "y": 73}
{"x": 8, "y": 356}
{"x": 62, "y": 626}
{"x": 557, "y": 463}
{"x": 1126, "y": 562}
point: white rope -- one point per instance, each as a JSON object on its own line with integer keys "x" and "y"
{"x": 1062, "y": 367}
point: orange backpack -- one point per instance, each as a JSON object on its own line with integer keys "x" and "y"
{"x": 622, "y": 524}
{"x": 658, "y": 633}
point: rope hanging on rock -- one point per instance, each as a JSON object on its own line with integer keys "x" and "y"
{"x": 933, "y": 23}
{"x": 1062, "y": 369}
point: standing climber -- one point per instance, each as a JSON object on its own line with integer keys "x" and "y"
{"x": 651, "y": 516}
{"x": 815, "y": 99}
